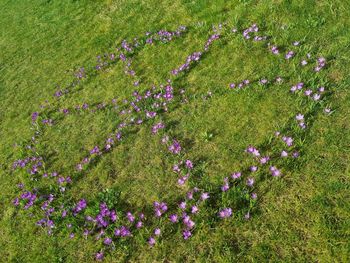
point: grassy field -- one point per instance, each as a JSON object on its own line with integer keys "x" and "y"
{"x": 301, "y": 216}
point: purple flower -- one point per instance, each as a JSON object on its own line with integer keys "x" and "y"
{"x": 173, "y": 218}
{"x": 95, "y": 150}
{"x": 264, "y": 160}
{"x": 15, "y": 202}
{"x": 189, "y": 164}
{"x": 157, "y": 231}
{"x": 188, "y": 222}
{"x": 107, "y": 241}
{"x": 284, "y": 154}
{"x": 274, "y": 171}
{"x": 289, "y": 55}
{"x": 253, "y": 168}
{"x": 35, "y": 116}
{"x": 130, "y": 217}
{"x": 151, "y": 241}
{"x": 299, "y": 117}
{"x": 226, "y": 185}
{"x": 250, "y": 182}
{"x": 275, "y": 50}
{"x": 194, "y": 209}
{"x": 204, "y": 196}
{"x": 295, "y": 154}
{"x": 175, "y": 148}
{"x": 81, "y": 205}
{"x": 308, "y": 92}
{"x": 288, "y": 140}
{"x": 225, "y": 213}
{"x": 327, "y": 110}
{"x": 236, "y": 175}
{"x": 139, "y": 224}
{"x": 316, "y": 97}
{"x": 186, "y": 234}
{"x": 99, "y": 256}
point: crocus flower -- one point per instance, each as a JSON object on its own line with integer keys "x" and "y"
{"x": 107, "y": 241}
{"x": 284, "y": 154}
{"x": 274, "y": 171}
{"x": 189, "y": 164}
{"x": 173, "y": 218}
{"x": 151, "y": 241}
{"x": 226, "y": 212}
{"x": 250, "y": 182}
{"x": 186, "y": 234}
{"x": 204, "y": 196}
{"x": 194, "y": 209}
{"x": 157, "y": 231}
{"x": 299, "y": 117}
{"x": 236, "y": 175}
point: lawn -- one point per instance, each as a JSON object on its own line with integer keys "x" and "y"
{"x": 174, "y": 131}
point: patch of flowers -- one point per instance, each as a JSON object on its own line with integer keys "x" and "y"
{"x": 109, "y": 223}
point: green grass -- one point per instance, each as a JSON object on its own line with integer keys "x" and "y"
{"x": 301, "y": 217}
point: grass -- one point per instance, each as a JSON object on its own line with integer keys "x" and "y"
{"x": 301, "y": 217}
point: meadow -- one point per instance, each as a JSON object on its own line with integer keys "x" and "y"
{"x": 174, "y": 131}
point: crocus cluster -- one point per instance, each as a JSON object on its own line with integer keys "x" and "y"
{"x": 194, "y": 57}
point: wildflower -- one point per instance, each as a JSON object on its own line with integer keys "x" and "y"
{"x": 225, "y": 213}
{"x": 188, "y": 222}
{"x": 107, "y": 241}
{"x": 186, "y": 234}
{"x": 226, "y": 186}
{"x": 321, "y": 89}
{"x": 289, "y": 55}
{"x": 189, "y": 164}
{"x": 151, "y": 241}
{"x": 303, "y": 62}
{"x": 302, "y": 125}
{"x": 253, "y": 168}
{"x": 254, "y": 196}
{"x": 95, "y": 150}
{"x": 316, "y": 97}
{"x": 327, "y": 110}
{"x": 130, "y": 217}
{"x": 263, "y": 81}
{"x": 236, "y": 175}
{"x": 288, "y": 140}
{"x": 295, "y": 154}
{"x": 275, "y": 50}
{"x": 157, "y": 231}
{"x": 264, "y": 160}
{"x": 299, "y": 117}
{"x": 175, "y": 148}
{"x": 99, "y": 256}
{"x": 284, "y": 154}
{"x": 194, "y": 209}
{"x": 308, "y": 92}
{"x": 204, "y": 196}
{"x": 173, "y": 218}
{"x": 250, "y": 182}
{"x": 274, "y": 171}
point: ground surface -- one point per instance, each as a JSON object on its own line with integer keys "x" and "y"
{"x": 302, "y": 216}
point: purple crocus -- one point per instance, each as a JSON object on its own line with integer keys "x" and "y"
{"x": 225, "y": 213}
{"x": 186, "y": 234}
